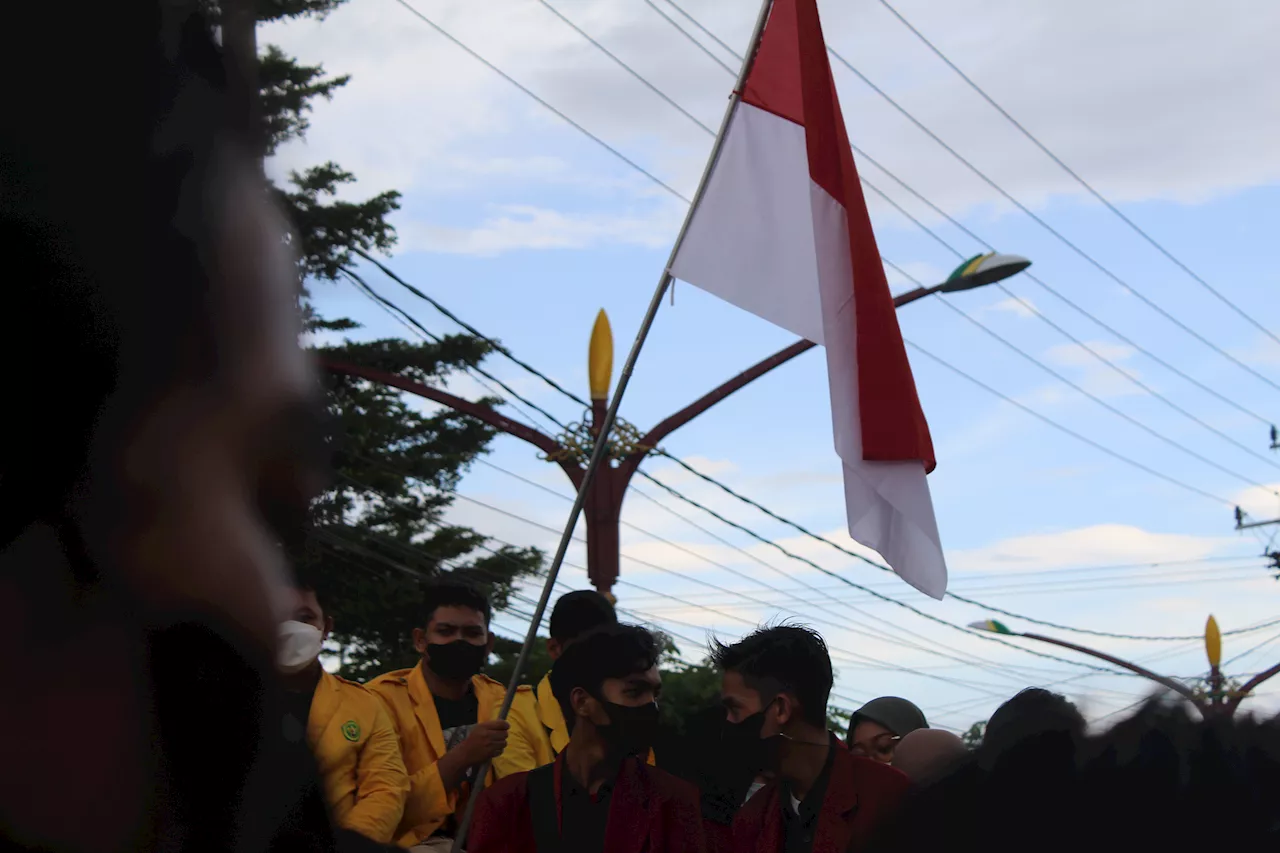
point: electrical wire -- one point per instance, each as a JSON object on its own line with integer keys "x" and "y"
{"x": 1077, "y": 177}
{"x": 1062, "y": 238}
{"x": 1194, "y": 454}
{"x": 658, "y": 181}
{"x": 863, "y": 155}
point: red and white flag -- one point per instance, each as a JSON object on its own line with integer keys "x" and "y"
{"x": 781, "y": 230}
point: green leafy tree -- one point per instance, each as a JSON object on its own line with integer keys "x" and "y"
{"x": 378, "y": 533}
{"x": 973, "y": 737}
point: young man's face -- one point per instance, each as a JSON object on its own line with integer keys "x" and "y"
{"x": 450, "y": 623}
{"x": 742, "y": 701}
{"x": 636, "y": 689}
{"x": 307, "y": 609}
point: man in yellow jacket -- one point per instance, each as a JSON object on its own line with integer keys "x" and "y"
{"x": 355, "y": 745}
{"x": 575, "y": 614}
{"x": 445, "y": 713}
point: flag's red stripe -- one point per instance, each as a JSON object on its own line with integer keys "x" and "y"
{"x": 791, "y": 77}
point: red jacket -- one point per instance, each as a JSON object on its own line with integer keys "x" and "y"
{"x": 861, "y": 795}
{"x": 650, "y": 811}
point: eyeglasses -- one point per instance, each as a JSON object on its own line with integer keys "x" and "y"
{"x": 881, "y": 745}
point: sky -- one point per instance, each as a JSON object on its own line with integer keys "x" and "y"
{"x": 1109, "y": 509}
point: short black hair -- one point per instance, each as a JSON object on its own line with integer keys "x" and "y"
{"x": 782, "y": 659}
{"x": 578, "y": 612}
{"x": 1032, "y": 712}
{"x": 612, "y": 651}
{"x": 453, "y": 593}
{"x": 1160, "y": 780}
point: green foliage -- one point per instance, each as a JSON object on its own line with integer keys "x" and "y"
{"x": 326, "y": 231}
{"x": 973, "y": 737}
{"x": 288, "y": 87}
{"x": 377, "y": 533}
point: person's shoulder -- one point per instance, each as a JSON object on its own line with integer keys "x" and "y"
{"x": 508, "y": 790}
{"x": 752, "y": 814}
{"x": 668, "y": 786}
{"x": 875, "y": 776}
{"x": 358, "y": 694}
{"x": 521, "y": 690}
{"x": 390, "y": 682}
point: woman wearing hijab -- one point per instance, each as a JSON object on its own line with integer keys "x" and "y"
{"x": 876, "y": 727}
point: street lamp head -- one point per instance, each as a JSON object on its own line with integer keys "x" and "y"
{"x": 1213, "y": 642}
{"x": 983, "y": 269}
{"x": 600, "y": 358}
{"x": 991, "y": 626}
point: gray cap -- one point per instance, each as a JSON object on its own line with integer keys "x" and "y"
{"x": 895, "y": 714}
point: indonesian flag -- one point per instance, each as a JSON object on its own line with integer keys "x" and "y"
{"x": 781, "y": 230}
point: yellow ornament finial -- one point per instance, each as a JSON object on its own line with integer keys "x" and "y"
{"x": 1213, "y": 642}
{"x": 600, "y": 358}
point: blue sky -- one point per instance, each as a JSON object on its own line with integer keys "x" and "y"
{"x": 526, "y": 228}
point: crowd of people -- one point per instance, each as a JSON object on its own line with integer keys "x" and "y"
{"x": 577, "y": 765}
{"x": 162, "y": 683}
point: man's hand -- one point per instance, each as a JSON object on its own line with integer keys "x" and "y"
{"x": 485, "y": 741}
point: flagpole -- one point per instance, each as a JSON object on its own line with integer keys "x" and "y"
{"x": 606, "y": 426}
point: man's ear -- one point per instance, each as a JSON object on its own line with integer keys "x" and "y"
{"x": 580, "y": 700}
{"x": 554, "y": 649}
{"x": 328, "y": 627}
{"x": 788, "y": 710}
{"x": 420, "y": 640}
{"x": 488, "y": 646}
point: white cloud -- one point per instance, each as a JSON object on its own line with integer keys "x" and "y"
{"x": 1260, "y": 503}
{"x": 1133, "y": 105}
{"x": 1100, "y": 544}
{"x": 515, "y": 227}
{"x": 1088, "y": 370}
{"x": 1019, "y": 307}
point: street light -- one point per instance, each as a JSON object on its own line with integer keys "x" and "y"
{"x": 1215, "y": 695}
{"x": 603, "y": 508}
{"x": 983, "y": 269}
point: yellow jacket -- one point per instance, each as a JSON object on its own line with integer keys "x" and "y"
{"x": 358, "y": 755}
{"x": 413, "y": 713}
{"x": 552, "y": 718}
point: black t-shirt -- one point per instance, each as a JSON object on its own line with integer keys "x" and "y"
{"x": 583, "y": 815}
{"x": 457, "y": 716}
{"x": 297, "y": 710}
{"x": 800, "y": 825}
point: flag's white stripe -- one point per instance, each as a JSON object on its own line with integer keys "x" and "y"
{"x": 888, "y": 504}
{"x": 750, "y": 241}
{"x": 768, "y": 239}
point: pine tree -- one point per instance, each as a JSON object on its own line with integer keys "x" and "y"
{"x": 377, "y": 533}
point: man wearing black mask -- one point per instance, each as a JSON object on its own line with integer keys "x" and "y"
{"x": 599, "y": 794}
{"x": 821, "y": 799}
{"x": 445, "y": 713}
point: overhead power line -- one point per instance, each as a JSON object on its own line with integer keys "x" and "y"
{"x": 678, "y": 195}
{"x": 1126, "y": 374}
{"x": 1246, "y": 316}
{"x": 864, "y": 156}
{"x": 1062, "y": 238}
{"x": 881, "y": 567}
{"x": 490, "y": 65}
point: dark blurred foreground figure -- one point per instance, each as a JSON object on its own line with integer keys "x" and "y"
{"x": 1032, "y": 713}
{"x": 821, "y": 798}
{"x": 160, "y": 444}
{"x": 926, "y": 755}
{"x": 599, "y": 795}
{"x": 1158, "y": 781}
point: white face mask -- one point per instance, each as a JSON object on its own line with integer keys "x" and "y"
{"x": 300, "y": 644}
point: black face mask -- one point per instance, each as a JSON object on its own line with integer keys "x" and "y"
{"x": 631, "y": 729}
{"x": 457, "y": 660}
{"x": 743, "y": 747}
